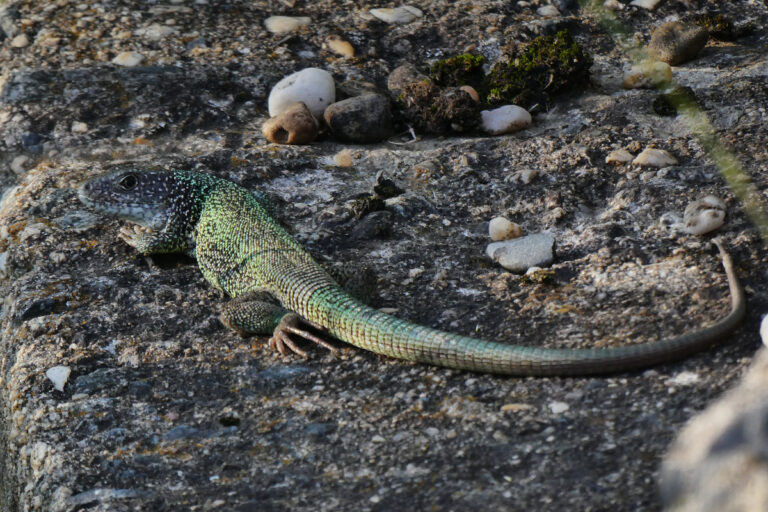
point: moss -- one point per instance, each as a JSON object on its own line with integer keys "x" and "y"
{"x": 718, "y": 26}
{"x": 464, "y": 69}
{"x": 432, "y": 109}
{"x": 529, "y": 76}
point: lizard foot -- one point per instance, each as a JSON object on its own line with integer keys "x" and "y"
{"x": 132, "y": 235}
{"x": 291, "y": 324}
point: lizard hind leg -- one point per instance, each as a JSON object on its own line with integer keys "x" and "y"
{"x": 258, "y": 313}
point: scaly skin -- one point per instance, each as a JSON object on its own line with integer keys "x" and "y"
{"x": 243, "y": 251}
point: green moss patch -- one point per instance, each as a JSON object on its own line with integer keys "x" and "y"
{"x": 464, "y": 69}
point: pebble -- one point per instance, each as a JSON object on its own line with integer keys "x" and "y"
{"x": 619, "y": 157}
{"x": 156, "y": 32}
{"x": 648, "y": 74}
{"x": 128, "y": 59}
{"x": 19, "y": 164}
{"x": 704, "y": 215}
{"x": 313, "y": 86}
{"x": 558, "y": 407}
{"x": 283, "y": 24}
{"x": 79, "y": 127}
{"x": 547, "y": 11}
{"x": 364, "y": 118}
{"x": 471, "y": 91}
{"x": 520, "y": 254}
{"x": 653, "y": 157}
{"x": 339, "y": 46}
{"x": 402, "y": 76}
{"x": 764, "y": 330}
{"x": 675, "y": 42}
{"x": 343, "y": 158}
{"x": 506, "y": 119}
{"x": 294, "y": 125}
{"x": 20, "y": 41}
{"x": 400, "y": 15}
{"x": 645, "y": 4}
{"x": 500, "y": 228}
{"x": 58, "y": 375}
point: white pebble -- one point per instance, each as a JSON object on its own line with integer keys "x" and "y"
{"x": 520, "y": 254}
{"x": 653, "y": 157}
{"x": 506, "y": 119}
{"x": 128, "y": 59}
{"x": 764, "y": 330}
{"x": 548, "y": 10}
{"x": 19, "y": 164}
{"x": 619, "y": 157}
{"x": 704, "y": 215}
{"x": 58, "y": 375}
{"x": 558, "y": 407}
{"x": 502, "y": 229}
{"x": 156, "y": 32}
{"x": 283, "y": 24}
{"x": 79, "y": 127}
{"x": 313, "y": 86}
{"x": 401, "y": 15}
{"x": 647, "y": 75}
{"x": 20, "y": 41}
{"x": 645, "y": 4}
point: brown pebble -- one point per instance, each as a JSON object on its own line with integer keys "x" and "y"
{"x": 295, "y": 125}
{"x": 339, "y": 46}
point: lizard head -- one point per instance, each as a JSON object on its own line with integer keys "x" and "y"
{"x": 144, "y": 197}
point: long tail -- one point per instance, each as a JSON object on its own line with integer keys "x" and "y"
{"x": 370, "y": 329}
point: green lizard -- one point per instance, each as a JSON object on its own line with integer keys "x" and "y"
{"x": 278, "y": 288}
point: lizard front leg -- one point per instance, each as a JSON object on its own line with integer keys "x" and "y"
{"x": 148, "y": 242}
{"x": 257, "y": 313}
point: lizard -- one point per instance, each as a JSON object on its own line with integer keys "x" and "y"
{"x": 277, "y": 288}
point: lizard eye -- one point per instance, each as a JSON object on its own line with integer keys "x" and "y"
{"x": 128, "y": 182}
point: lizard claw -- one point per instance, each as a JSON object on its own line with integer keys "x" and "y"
{"x": 291, "y": 324}
{"x": 132, "y": 234}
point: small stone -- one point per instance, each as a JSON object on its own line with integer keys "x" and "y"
{"x": 19, "y": 164}
{"x": 764, "y": 330}
{"x": 471, "y": 91}
{"x": 520, "y": 254}
{"x": 313, "y": 86}
{"x": 128, "y": 59}
{"x": 294, "y": 125}
{"x": 339, "y": 46}
{"x": 157, "y": 32}
{"x": 558, "y": 407}
{"x": 79, "y": 127}
{"x": 499, "y": 228}
{"x": 646, "y": 4}
{"x": 675, "y": 42}
{"x": 653, "y": 157}
{"x": 547, "y": 10}
{"x": 614, "y": 5}
{"x": 58, "y": 375}
{"x": 619, "y": 157}
{"x": 400, "y": 15}
{"x": 402, "y": 76}
{"x": 515, "y": 407}
{"x": 506, "y": 119}
{"x": 364, "y": 118}
{"x": 20, "y": 41}
{"x": 647, "y": 75}
{"x": 376, "y": 224}
{"x": 343, "y": 158}
{"x": 283, "y": 24}
{"x": 704, "y": 215}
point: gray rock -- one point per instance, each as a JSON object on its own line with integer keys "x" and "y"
{"x": 402, "y": 76}
{"x": 520, "y": 254}
{"x": 676, "y": 42}
{"x": 366, "y": 118}
{"x": 9, "y": 15}
{"x": 720, "y": 460}
{"x": 374, "y": 225}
